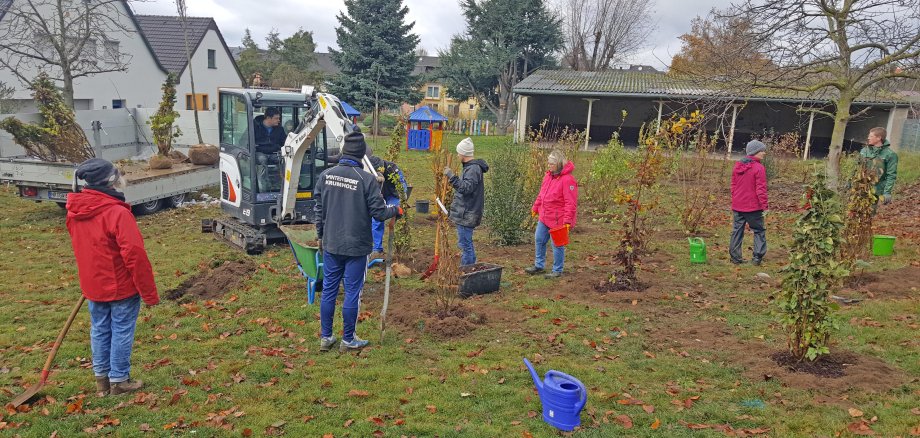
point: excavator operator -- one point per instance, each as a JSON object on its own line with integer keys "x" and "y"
{"x": 269, "y": 137}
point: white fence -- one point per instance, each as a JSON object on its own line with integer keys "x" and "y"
{"x": 118, "y": 128}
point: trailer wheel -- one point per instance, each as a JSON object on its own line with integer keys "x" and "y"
{"x": 175, "y": 201}
{"x": 148, "y": 207}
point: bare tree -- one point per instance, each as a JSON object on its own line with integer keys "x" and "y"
{"x": 183, "y": 15}
{"x": 7, "y": 104}
{"x": 836, "y": 50}
{"x": 62, "y": 39}
{"x": 599, "y": 33}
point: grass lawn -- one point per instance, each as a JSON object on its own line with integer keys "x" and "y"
{"x": 689, "y": 356}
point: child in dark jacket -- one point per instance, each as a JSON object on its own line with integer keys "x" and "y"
{"x": 749, "y": 202}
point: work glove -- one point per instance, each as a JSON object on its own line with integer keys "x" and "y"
{"x": 886, "y": 199}
{"x": 449, "y": 173}
{"x": 380, "y": 179}
{"x": 534, "y": 213}
{"x": 399, "y": 212}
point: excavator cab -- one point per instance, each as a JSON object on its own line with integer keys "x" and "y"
{"x": 252, "y": 179}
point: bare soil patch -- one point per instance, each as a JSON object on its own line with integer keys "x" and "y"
{"x": 892, "y": 284}
{"x": 834, "y": 374}
{"x": 212, "y": 283}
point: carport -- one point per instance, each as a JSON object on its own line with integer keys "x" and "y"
{"x": 596, "y": 101}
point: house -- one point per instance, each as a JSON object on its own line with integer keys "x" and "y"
{"x": 156, "y": 47}
{"x": 596, "y": 101}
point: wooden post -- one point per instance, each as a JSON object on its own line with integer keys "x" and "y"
{"x": 660, "y": 108}
{"x": 811, "y": 122}
{"x": 731, "y": 131}
{"x": 588, "y": 128}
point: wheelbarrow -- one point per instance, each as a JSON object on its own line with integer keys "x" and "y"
{"x": 304, "y": 245}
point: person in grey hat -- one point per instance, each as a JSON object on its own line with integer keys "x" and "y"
{"x": 749, "y": 202}
{"x": 115, "y": 273}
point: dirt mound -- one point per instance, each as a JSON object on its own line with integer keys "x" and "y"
{"x": 835, "y": 374}
{"x": 893, "y": 284}
{"x": 213, "y": 283}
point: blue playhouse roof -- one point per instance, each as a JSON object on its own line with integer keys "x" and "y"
{"x": 350, "y": 111}
{"x": 426, "y": 114}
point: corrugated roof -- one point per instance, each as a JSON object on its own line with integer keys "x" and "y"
{"x": 651, "y": 84}
{"x": 166, "y": 37}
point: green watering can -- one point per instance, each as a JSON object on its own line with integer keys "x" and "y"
{"x": 697, "y": 250}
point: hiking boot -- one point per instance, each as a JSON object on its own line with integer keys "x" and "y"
{"x": 325, "y": 344}
{"x": 756, "y": 262}
{"x": 533, "y": 270}
{"x": 125, "y": 387}
{"x": 552, "y": 275}
{"x": 102, "y": 386}
{"x": 355, "y": 345}
{"x": 378, "y": 254}
{"x": 738, "y": 262}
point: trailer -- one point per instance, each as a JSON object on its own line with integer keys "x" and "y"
{"x": 147, "y": 190}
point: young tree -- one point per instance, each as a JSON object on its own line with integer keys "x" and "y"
{"x": 251, "y": 61}
{"x": 838, "y": 50}
{"x": 505, "y": 40}
{"x": 376, "y": 55}
{"x": 248, "y": 42}
{"x": 183, "y": 16}
{"x": 62, "y": 39}
{"x": 598, "y": 33}
{"x": 162, "y": 123}
{"x": 299, "y": 50}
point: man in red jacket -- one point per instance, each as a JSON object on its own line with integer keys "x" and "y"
{"x": 115, "y": 274}
{"x": 556, "y": 206}
{"x": 749, "y": 202}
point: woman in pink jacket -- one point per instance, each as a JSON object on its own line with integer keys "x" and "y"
{"x": 556, "y": 206}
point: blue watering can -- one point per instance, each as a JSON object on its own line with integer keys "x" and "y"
{"x": 562, "y": 396}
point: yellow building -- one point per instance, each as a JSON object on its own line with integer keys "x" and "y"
{"x": 436, "y": 98}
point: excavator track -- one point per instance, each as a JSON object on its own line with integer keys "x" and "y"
{"x": 238, "y": 235}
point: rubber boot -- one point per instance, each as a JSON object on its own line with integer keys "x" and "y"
{"x": 126, "y": 387}
{"x": 102, "y": 386}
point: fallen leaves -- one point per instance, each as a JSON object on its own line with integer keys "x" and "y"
{"x": 624, "y": 420}
{"x": 76, "y": 407}
{"x": 855, "y": 412}
{"x": 107, "y": 421}
{"x": 860, "y": 427}
{"x": 358, "y": 393}
{"x": 431, "y": 408}
{"x": 656, "y": 424}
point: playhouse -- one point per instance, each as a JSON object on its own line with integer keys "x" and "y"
{"x": 425, "y": 130}
{"x": 350, "y": 112}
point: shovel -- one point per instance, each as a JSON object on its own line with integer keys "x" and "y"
{"x": 386, "y": 283}
{"x": 47, "y": 368}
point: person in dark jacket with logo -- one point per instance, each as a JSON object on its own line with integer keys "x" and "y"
{"x": 115, "y": 273}
{"x": 749, "y": 202}
{"x": 878, "y": 155}
{"x": 469, "y": 199}
{"x": 387, "y": 172}
{"x": 346, "y": 198}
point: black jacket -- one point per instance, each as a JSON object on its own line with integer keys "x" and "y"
{"x": 267, "y": 143}
{"x": 346, "y": 198}
{"x": 387, "y": 169}
{"x": 469, "y": 194}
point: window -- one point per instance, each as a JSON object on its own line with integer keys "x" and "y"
{"x": 202, "y": 101}
{"x": 235, "y": 121}
{"x": 434, "y": 92}
{"x": 452, "y": 110}
{"x": 112, "y": 52}
{"x": 212, "y": 58}
{"x": 89, "y": 51}
{"x": 118, "y": 103}
{"x": 434, "y": 106}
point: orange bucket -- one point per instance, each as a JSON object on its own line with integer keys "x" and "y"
{"x": 560, "y": 235}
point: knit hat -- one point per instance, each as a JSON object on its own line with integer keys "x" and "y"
{"x": 354, "y": 145}
{"x": 97, "y": 172}
{"x": 754, "y": 146}
{"x": 465, "y": 147}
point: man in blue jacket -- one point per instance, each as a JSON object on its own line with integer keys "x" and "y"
{"x": 346, "y": 198}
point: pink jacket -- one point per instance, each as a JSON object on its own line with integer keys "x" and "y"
{"x": 749, "y": 186}
{"x": 557, "y": 203}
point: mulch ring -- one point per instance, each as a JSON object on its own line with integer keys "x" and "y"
{"x": 212, "y": 283}
{"x": 833, "y": 374}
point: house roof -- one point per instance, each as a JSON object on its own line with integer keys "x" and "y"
{"x": 166, "y": 37}
{"x": 633, "y": 83}
{"x": 426, "y": 114}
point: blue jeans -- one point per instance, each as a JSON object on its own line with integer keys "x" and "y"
{"x": 540, "y": 239}
{"x": 335, "y": 268}
{"x": 377, "y": 226}
{"x": 111, "y": 336}
{"x": 465, "y": 243}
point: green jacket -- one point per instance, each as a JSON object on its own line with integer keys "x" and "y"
{"x": 885, "y": 162}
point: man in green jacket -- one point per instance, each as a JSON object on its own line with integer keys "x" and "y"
{"x": 880, "y": 157}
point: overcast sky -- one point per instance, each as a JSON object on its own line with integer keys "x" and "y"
{"x": 435, "y": 21}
